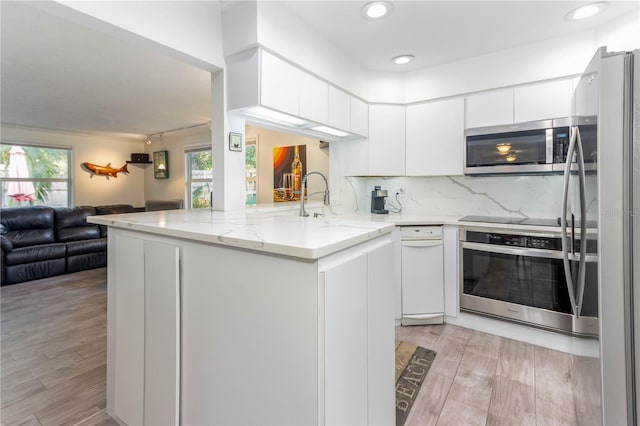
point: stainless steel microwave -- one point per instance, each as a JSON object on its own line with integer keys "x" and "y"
{"x": 531, "y": 147}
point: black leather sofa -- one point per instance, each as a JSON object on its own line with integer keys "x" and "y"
{"x": 39, "y": 241}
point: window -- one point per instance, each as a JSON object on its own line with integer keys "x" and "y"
{"x": 199, "y": 170}
{"x": 32, "y": 175}
{"x": 251, "y": 170}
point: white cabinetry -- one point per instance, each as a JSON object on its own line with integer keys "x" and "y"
{"x": 387, "y": 140}
{"x": 489, "y": 108}
{"x": 358, "y": 387}
{"x": 543, "y": 100}
{"x": 310, "y": 342}
{"x": 537, "y": 101}
{"x": 144, "y": 340}
{"x": 280, "y": 84}
{"x": 451, "y": 270}
{"x": 435, "y": 134}
{"x": 339, "y": 109}
{"x": 359, "y": 117}
{"x": 258, "y": 77}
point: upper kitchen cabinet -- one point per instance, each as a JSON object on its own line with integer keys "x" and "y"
{"x": 435, "y": 136}
{"x": 260, "y": 78}
{"x": 538, "y": 101}
{"x": 280, "y": 85}
{"x": 339, "y": 109}
{"x": 387, "y": 140}
{"x": 543, "y": 100}
{"x": 359, "y": 117}
{"x": 489, "y": 108}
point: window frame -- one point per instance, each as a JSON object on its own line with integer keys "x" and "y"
{"x": 188, "y": 179}
{"x": 68, "y": 179}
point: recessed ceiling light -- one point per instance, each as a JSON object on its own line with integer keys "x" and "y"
{"x": 376, "y": 9}
{"x": 402, "y": 59}
{"x": 586, "y": 11}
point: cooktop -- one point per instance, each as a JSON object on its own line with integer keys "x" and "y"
{"x": 512, "y": 220}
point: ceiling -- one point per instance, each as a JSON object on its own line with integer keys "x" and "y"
{"x": 63, "y": 76}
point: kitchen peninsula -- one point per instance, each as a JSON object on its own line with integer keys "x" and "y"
{"x": 249, "y": 318}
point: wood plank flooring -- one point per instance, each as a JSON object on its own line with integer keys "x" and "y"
{"x": 53, "y": 366}
{"x": 482, "y": 379}
{"x": 53, "y": 351}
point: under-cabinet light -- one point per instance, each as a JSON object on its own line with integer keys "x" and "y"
{"x": 330, "y": 131}
{"x": 271, "y": 115}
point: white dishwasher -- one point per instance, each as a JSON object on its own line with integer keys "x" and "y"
{"x": 422, "y": 275}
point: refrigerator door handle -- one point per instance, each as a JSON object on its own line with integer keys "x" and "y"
{"x": 582, "y": 268}
{"x": 563, "y": 221}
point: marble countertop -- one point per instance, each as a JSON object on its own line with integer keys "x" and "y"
{"x": 275, "y": 231}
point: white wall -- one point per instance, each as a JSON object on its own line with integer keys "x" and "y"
{"x": 186, "y": 30}
{"x": 89, "y": 189}
{"x": 175, "y": 143}
{"x": 267, "y": 139}
{"x": 284, "y": 33}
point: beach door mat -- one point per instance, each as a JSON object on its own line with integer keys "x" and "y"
{"x": 412, "y": 364}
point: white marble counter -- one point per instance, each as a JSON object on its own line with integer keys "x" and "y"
{"x": 278, "y": 231}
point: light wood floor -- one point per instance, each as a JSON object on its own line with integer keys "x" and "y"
{"x": 53, "y": 366}
{"x": 482, "y": 379}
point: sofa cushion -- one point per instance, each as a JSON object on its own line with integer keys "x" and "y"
{"x": 75, "y": 248}
{"x": 88, "y": 232}
{"x": 86, "y": 261}
{"x": 5, "y": 243}
{"x": 70, "y": 218}
{"x": 115, "y": 209}
{"x": 28, "y": 226}
{"x": 35, "y": 254}
{"x": 33, "y": 271}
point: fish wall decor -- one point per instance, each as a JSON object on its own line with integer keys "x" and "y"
{"x": 105, "y": 170}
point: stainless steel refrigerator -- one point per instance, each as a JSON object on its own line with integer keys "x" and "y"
{"x": 602, "y": 190}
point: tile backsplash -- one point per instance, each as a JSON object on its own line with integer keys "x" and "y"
{"x": 509, "y": 195}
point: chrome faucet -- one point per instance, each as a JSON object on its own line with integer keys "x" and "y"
{"x": 303, "y": 212}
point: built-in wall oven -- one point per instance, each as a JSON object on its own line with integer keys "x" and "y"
{"x": 520, "y": 276}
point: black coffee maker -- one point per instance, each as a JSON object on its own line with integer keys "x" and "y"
{"x": 377, "y": 200}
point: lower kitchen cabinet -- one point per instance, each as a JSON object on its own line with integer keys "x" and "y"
{"x": 207, "y": 334}
{"x": 451, "y": 270}
{"x": 144, "y": 346}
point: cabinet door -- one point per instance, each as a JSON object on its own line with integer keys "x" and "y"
{"x": 161, "y": 334}
{"x": 280, "y": 84}
{"x": 435, "y": 134}
{"x": 381, "y": 332}
{"x": 451, "y": 270}
{"x": 489, "y": 108}
{"x": 543, "y": 100}
{"x": 314, "y": 98}
{"x": 345, "y": 342}
{"x": 126, "y": 340}
{"x": 359, "y": 117}
{"x": 339, "y": 109}
{"x": 387, "y": 140}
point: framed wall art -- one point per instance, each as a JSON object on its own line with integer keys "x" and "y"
{"x": 161, "y": 164}
{"x": 235, "y": 141}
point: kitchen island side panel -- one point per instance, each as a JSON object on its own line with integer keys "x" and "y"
{"x": 249, "y": 337}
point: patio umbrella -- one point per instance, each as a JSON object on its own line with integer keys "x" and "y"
{"x": 19, "y": 190}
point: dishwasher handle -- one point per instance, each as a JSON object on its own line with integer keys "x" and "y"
{"x": 422, "y": 243}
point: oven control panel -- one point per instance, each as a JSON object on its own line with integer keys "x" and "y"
{"x": 514, "y": 240}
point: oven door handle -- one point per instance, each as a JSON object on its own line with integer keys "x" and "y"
{"x": 516, "y": 251}
{"x": 563, "y": 222}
